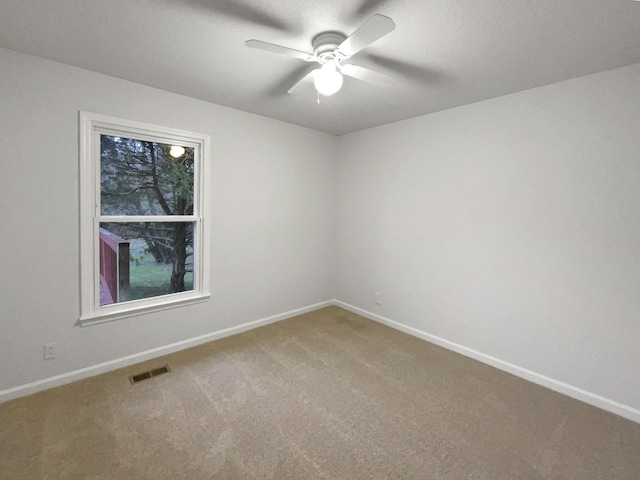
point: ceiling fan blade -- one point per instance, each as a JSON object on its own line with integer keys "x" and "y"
{"x": 368, "y": 6}
{"x": 247, "y": 13}
{"x": 366, "y": 75}
{"x": 370, "y": 31}
{"x": 273, "y": 48}
{"x": 289, "y": 81}
{"x": 305, "y": 80}
{"x": 407, "y": 70}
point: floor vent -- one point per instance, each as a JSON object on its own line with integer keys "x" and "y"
{"x": 151, "y": 373}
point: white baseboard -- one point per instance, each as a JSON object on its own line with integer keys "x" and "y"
{"x": 558, "y": 386}
{"x": 62, "y": 379}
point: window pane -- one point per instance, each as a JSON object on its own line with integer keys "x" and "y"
{"x": 145, "y": 178}
{"x": 143, "y": 260}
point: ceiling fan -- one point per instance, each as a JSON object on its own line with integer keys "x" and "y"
{"x": 330, "y": 50}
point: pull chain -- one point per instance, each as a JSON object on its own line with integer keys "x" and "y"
{"x": 318, "y": 98}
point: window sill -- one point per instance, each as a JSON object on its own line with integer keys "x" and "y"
{"x": 132, "y": 309}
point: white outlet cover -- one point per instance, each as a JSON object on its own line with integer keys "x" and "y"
{"x": 377, "y": 298}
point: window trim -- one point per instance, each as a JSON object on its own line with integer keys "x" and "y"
{"x": 92, "y": 125}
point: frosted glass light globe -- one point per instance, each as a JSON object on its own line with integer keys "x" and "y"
{"x": 328, "y": 79}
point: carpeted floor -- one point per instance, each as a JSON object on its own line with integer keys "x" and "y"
{"x": 326, "y": 395}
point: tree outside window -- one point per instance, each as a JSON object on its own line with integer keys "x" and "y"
{"x": 144, "y": 178}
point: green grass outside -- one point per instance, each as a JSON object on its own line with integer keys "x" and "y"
{"x": 148, "y": 278}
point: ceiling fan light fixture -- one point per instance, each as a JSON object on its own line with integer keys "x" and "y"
{"x": 328, "y": 80}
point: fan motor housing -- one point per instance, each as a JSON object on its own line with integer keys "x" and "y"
{"x": 326, "y": 43}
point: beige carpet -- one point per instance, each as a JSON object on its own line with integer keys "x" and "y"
{"x": 326, "y": 395}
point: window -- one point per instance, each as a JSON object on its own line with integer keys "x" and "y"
{"x": 143, "y": 231}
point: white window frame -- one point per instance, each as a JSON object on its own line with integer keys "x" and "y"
{"x": 93, "y": 125}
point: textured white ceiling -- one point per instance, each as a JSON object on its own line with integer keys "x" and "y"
{"x": 444, "y": 53}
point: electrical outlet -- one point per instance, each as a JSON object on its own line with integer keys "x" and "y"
{"x": 50, "y": 351}
{"x": 377, "y": 298}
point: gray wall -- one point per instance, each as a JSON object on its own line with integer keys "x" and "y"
{"x": 509, "y": 230}
{"x": 271, "y": 201}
